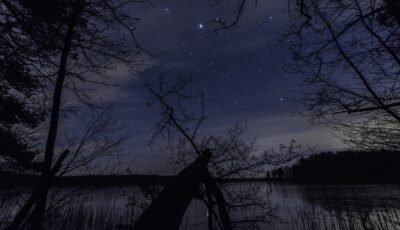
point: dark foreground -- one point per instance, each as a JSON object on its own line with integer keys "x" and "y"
{"x": 284, "y": 205}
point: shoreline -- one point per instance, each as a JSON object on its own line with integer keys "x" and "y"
{"x": 154, "y": 179}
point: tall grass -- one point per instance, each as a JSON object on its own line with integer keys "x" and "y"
{"x": 108, "y": 209}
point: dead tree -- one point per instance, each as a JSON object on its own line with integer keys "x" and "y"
{"x": 233, "y": 155}
{"x": 167, "y": 210}
{"x": 81, "y": 151}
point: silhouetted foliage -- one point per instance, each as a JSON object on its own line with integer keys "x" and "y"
{"x": 19, "y": 115}
{"x": 346, "y": 167}
{"x": 65, "y": 43}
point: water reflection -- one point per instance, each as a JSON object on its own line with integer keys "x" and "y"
{"x": 251, "y": 206}
{"x": 353, "y": 206}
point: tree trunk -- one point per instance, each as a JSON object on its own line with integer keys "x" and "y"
{"x": 38, "y": 212}
{"x": 167, "y": 210}
{"x": 212, "y": 187}
{"x": 38, "y": 200}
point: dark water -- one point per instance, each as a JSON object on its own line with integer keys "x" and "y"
{"x": 252, "y": 206}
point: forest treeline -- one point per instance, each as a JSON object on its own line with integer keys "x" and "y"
{"x": 344, "y": 166}
{"x": 326, "y": 167}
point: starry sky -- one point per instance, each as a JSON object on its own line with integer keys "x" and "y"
{"x": 242, "y": 70}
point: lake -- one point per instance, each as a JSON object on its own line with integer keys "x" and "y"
{"x": 280, "y": 206}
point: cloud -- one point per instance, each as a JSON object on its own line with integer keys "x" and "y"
{"x": 281, "y": 129}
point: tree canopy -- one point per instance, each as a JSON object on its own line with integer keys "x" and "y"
{"x": 349, "y": 52}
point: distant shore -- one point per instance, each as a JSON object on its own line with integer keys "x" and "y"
{"x": 13, "y": 180}
{"x": 10, "y": 180}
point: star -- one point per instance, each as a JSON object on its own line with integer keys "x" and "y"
{"x": 201, "y": 26}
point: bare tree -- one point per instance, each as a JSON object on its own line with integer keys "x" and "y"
{"x": 229, "y": 23}
{"x": 100, "y": 137}
{"x": 349, "y": 52}
{"x": 234, "y": 155}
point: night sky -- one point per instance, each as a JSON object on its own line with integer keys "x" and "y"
{"x": 242, "y": 70}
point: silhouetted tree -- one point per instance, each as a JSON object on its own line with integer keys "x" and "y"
{"x": 349, "y": 51}
{"x": 66, "y": 42}
{"x": 349, "y": 166}
{"x": 234, "y": 155}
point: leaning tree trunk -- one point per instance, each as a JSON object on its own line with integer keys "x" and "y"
{"x": 167, "y": 210}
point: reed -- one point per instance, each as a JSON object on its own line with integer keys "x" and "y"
{"x": 112, "y": 209}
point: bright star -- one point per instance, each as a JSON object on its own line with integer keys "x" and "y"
{"x": 201, "y": 26}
